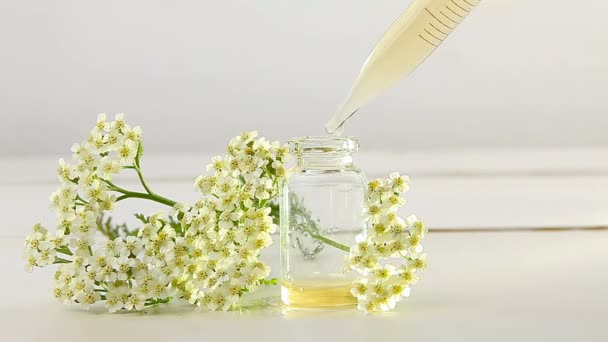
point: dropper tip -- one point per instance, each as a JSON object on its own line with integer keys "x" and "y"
{"x": 331, "y": 130}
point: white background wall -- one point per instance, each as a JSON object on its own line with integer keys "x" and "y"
{"x": 194, "y": 73}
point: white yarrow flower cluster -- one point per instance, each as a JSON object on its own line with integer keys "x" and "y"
{"x": 388, "y": 255}
{"x": 207, "y": 253}
{"x": 231, "y": 224}
{"x": 87, "y": 273}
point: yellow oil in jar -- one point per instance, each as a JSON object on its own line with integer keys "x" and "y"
{"x": 317, "y": 293}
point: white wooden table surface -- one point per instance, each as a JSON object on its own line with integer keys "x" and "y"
{"x": 486, "y": 285}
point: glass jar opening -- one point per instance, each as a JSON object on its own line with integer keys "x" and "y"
{"x": 323, "y": 145}
{"x": 324, "y": 152}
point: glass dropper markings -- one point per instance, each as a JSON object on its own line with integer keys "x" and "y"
{"x": 422, "y": 27}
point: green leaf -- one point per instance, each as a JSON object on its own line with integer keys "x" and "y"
{"x": 175, "y": 224}
{"x": 269, "y": 282}
{"x": 111, "y": 230}
{"x": 142, "y": 218}
{"x": 274, "y": 210}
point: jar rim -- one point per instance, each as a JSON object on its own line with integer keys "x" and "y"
{"x": 323, "y": 144}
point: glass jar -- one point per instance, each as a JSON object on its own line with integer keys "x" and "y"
{"x": 321, "y": 213}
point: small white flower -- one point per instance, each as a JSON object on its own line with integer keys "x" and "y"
{"x": 263, "y": 188}
{"x": 263, "y": 240}
{"x": 418, "y": 262}
{"x": 164, "y": 256}
{"x": 113, "y": 301}
{"x": 95, "y": 190}
{"x": 59, "y": 240}
{"x": 399, "y": 289}
{"x": 399, "y": 183}
{"x": 221, "y": 300}
{"x": 87, "y": 297}
{"x": 102, "y": 125}
{"x": 147, "y": 233}
{"x": 226, "y": 185}
{"x": 64, "y": 171}
{"x": 240, "y": 142}
{"x": 206, "y": 184}
{"x": 135, "y": 301}
{"x": 372, "y": 213}
{"x": 225, "y": 221}
{"x": 416, "y": 227}
{"x": 132, "y": 246}
{"x": 218, "y": 164}
{"x": 114, "y": 247}
{"x": 123, "y": 265}
{"x": 127, "y": 152}
{"x": 227, "y": 202}
{"x": 97, "y": 142}
{"x": 359, "y": 288}
{"x": 133, "y": 134}
{"x": 82, "y": 245}
{"x": 414, "y": 244}
{"x": 31, "y": 259}
{"x": 112, "y": 141}
{"x": 108, "y": 167}
{"x": 119, "y": 122}
{"x": 83, "y": 226}
{"x": 366, "y": 305}
{"x": 381, "y": 274}
{"x": 158, "y": 288}
{"x": 107, "y": 201}
{"x": 394, "y": 201}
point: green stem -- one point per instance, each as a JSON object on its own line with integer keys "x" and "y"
{"x": 330, "y": 242}
{"x": 59, "y": 260}
{"x": 309, "y": 226}
{"x": 132, "y": 194}
{"x": 151, "y": 197}
{"x": 152, "y": 302}
{"x": 115, "y": 187}
{"x": 149, "y": 194}
{"x": 81, "y": 199}
{"x": 64, "y": 250}
{"x": 142, "y": 180}
{"x": 136, "y": 167}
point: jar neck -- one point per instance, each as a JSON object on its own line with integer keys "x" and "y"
{"x": 324, "y": 161}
